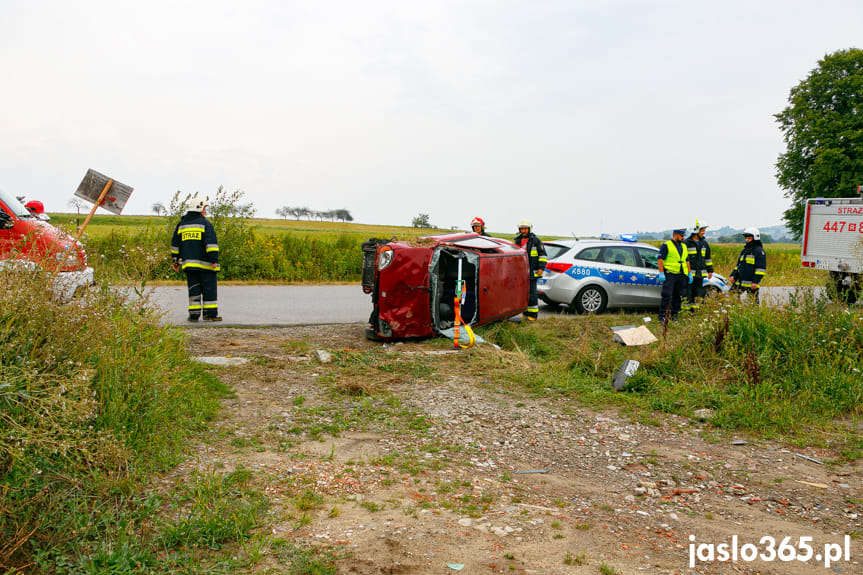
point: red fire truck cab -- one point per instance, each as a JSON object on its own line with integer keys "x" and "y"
{"x": 412, "y": 283}
{"x": 28, "y": 242}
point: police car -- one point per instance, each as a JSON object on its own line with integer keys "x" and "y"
{"x": 615, "y": 271}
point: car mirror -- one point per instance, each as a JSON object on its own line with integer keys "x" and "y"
{"x": 5, "y": 221}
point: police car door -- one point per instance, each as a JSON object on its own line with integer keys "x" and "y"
{"x": 649, "y": 270}
{"x": 619, "y": 269}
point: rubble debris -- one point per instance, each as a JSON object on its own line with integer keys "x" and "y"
{"x": 630, "y": 335}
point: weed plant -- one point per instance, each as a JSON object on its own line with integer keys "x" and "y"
{"x": 94, "y": 397}
{"x": 792, "y": 373}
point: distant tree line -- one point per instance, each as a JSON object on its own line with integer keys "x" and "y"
{"x": 303, "y": 212}
{"x": 738, "y": 239}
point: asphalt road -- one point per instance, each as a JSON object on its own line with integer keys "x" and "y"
{"x": 261, "y": 305}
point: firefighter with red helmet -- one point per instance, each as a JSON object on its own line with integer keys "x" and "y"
{"x": 36, "y": 208}
{"x": 478, "y": 226}
{"x": 537, "y": 259}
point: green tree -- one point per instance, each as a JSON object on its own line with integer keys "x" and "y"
{"x": 823, "y": 132}
{"x": 421, "y": 221}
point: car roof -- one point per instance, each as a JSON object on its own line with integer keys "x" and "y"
{"x": 591, "y": 242}
{"x": 469, "y": 240}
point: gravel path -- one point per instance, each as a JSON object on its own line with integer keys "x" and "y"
{"x": 434, "y": 474}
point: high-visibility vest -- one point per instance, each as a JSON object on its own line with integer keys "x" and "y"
{"x": 674, "y": 262}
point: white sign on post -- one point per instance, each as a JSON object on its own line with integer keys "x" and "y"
{"x": 93, "y": 185}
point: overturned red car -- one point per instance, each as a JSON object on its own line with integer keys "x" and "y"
{"x": 413, "y": 283}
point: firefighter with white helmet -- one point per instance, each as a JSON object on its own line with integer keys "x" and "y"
{"x": 195, "y": 251}
{"x": 478, "y": 226}
{"x": 700, "y": 263}
{"x": 537, "y": 259}
{"x": 751, "y": 264}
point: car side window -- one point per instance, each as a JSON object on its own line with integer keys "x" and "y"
{"x": 589, "y": 254}
{"x": 649, "y": 258}
{"x": 554, "y": 250}
{"x": 618, "y": 255}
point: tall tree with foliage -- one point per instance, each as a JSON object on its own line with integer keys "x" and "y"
{"x": 823, "y": 132}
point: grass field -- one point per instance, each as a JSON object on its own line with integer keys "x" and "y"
{"x": 297, "y": 251}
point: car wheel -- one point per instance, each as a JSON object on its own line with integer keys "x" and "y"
{"x": 590, "y": 299}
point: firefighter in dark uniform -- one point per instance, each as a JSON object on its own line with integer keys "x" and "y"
{"x": 536, "y": 259}
{"x": 478, "y": 226}
{"x": 195, "y": 251}
{"x": 700, "y": 264}
{"x": 674, "y": 273}
{"x": 751, "y": 264}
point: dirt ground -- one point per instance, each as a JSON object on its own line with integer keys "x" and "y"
{"x": 438, "y": 473}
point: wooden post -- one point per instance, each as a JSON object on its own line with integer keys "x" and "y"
{"x": 93, "y": 211}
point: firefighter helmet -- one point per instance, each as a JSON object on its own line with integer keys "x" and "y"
{"x": 754, "y": 232}
{"x": 35, "y": 207}
{"x": 524, "y": 224}
{"x": 196, "y": 204}
{"x": 477, "y": 222}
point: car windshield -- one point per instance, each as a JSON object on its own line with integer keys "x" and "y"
{"x": 13, "y": 204}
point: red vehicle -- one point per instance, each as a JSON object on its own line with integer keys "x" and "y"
{"x": 30, "y": 242}
{"x": 413, "y": 282}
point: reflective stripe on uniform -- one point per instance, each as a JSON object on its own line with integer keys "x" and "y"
{"x": 533, "y": 310}
{"x": 760, "y": 271}
{"x": 199, "y": 265}
{"x": 212, "y": 248}
{"x": 195, "y": 303}
{"x": 210, "y": 305}
{"x": 191, "y": 232}
{"x": 183, "y": 227}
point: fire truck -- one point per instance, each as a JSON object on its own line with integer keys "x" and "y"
{"x": 833, "y": 241}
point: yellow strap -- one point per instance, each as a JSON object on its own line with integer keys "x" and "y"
{"x": 471, "y": 338}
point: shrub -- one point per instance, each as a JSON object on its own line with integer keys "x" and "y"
{"x": 142, "y": 255}
{"x": 94, "y": 395}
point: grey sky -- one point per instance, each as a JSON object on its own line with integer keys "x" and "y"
{"x": 580, "y": 116}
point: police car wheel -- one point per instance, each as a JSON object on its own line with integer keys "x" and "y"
{"x": 590, "y": 299}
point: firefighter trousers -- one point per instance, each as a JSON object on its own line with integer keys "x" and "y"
{"x": 695, "y": 292}
{"x": 202, "y": 293}
{"x": 532, "y": 311}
